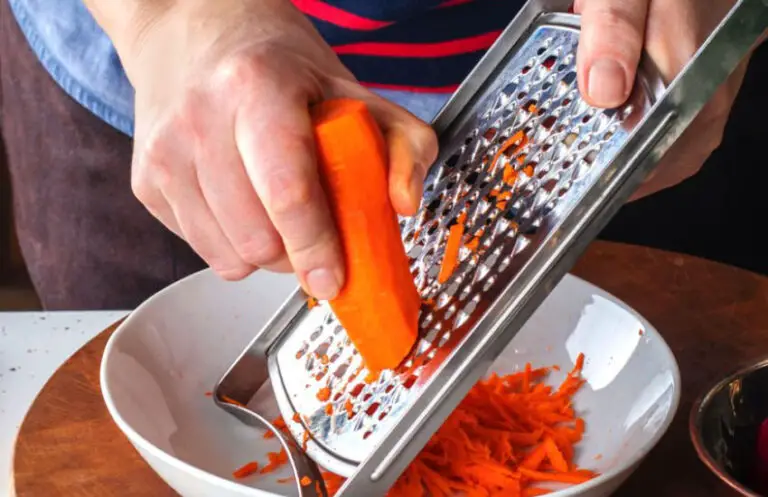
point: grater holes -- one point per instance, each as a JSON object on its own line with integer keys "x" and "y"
{"x": 549, "y": 122}
{"x": 316, "y": 334}
{"x": 450, "y": 311}
{"x": 488, "y": 284}
{"x": 569, "y": 78}
{"x": 465, "y": 292}
{"x": 549, "y": 62}
{"x": 490, "y": 133}
{"x": 415, "y": 251}
{"x": 506, "y": 261}
{"x": 432, "y": 335}
{"x": 590, "y": 157}
{"x": 302, "y": 350}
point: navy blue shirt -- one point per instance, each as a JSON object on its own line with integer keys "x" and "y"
{"x": 414, "y": 52}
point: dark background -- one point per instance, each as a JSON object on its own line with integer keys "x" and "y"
{"x": 722, "y": 212}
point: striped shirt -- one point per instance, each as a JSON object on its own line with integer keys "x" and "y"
{"x": 414, "y": 52}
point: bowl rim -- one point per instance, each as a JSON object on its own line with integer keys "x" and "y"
{"x": 695, "y": 418}
{"x": 145, "y": 445}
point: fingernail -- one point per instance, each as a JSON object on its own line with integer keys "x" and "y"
{"x": 323, "y": 284}
{"x": 607, "y": 83}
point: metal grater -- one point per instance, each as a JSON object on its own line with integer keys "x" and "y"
{"x": 528, "y": 215}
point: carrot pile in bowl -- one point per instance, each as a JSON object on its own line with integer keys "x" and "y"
{"x": 512, "y": 435}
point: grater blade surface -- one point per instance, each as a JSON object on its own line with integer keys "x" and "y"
{"x": 511, "y": 199}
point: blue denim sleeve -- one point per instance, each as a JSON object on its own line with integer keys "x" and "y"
{"x": 82, "y": 60}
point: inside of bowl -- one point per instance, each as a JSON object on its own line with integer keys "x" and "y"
{"x": 161, "y": 367}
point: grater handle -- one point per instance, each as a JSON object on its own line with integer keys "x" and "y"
{"x": 679, "y": 105}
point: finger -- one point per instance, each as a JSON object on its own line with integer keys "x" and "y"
{"x": 233, "y": 201}
{"x": 197, "y": 224}
{"x": 610, "y": 46}
{"x": 411, "y": 143}
{"x": 275, "y": 138}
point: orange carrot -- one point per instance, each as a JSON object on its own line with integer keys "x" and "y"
{"x": 306, "y": 481}
{"x": 379, "y": 303}
{"x": 311, "y": 303}
{"x": 246, "y": 470}
{"x": 451, "y": 256}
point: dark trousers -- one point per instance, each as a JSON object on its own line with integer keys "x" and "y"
{"x": 87, "y": 242}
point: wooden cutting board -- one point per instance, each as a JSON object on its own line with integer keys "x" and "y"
{"x": 713, "y": 317}
{"x": 68, "y": 444}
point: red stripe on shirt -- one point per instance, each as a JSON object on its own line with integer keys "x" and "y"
{"x": 453, "y": 3}
{"x": 334, "y": 15}
{"x": 420, "y": 50}
{"x": 413, "y": 89}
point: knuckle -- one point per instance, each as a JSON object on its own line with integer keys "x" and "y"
{"x": 286, "y": 194}
{"x": 142, "y": 189}
{"x": 315, "y": 249}
{"x": 263, "y": 250}
{"x": 239, "y": 72}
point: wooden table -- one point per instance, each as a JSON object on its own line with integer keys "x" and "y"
{"x": 713, "y": 317}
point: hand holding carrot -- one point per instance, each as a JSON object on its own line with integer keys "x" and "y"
{"x": 224, "y": 153}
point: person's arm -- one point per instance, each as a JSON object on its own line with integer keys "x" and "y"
{"x": 224, "y": 152}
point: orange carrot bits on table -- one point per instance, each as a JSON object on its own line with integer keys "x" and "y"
{"x": 379, "y": 303}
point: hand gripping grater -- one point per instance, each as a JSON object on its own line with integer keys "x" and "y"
{"x": 529, "y": 211}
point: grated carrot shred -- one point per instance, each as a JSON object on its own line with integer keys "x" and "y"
{"x": 451, "y": 256}
{"x": 246, "y": 470}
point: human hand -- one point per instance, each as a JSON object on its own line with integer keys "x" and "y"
{"x": 224, "y": 149}
{"x": 614, "y": 32}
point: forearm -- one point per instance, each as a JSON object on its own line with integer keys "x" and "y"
{"x": 131, "y": 24}
{"x": 125, "y": 21}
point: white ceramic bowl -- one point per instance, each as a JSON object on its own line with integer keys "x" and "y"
{"x": 173, "y": 348}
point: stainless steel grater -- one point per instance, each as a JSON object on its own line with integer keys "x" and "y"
{"x": 529, "y": 211}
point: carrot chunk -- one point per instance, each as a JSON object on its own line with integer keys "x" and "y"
{"x": 379, "y": 303}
